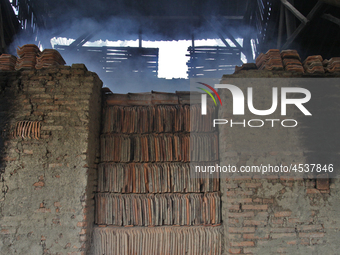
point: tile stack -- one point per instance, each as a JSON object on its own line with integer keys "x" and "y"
{"x": 270, "y": 60}
{"x": 155, "y": 118}
{"x": 153, "y": 178}
{"x": 332, "y": 65}
{"x": 313, "y": 64}
{"x": 291, "y": 61}
{"x": 245, "y": 67}
{"x": 157, "y": 240}
{"x": 27, "y": 56}
{"x": 48, "y": 58}
{"x": 7, "y": 62}
{"x": 163, "y": 147}
{"x": 188, "y": 209}
{"x": 148, "y": 194}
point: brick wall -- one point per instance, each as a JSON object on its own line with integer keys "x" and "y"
{"x": 50, "y": 122}
{"x": 279, "y": 214}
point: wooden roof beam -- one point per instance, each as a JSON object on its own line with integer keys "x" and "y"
{"x": 297, "y": 31}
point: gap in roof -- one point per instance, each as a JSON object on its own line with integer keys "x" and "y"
{"x": 172, "y": 62}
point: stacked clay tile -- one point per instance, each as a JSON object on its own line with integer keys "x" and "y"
{"x": 27, "y": 56}
{"x": 48, "y": 58}
{"x": 7, "y": 62}
{"x": 269, "y": 61}
{"x": 291, "y": 61}
{"x": 313, "y": 64}
{"x": 245, "y": 67}
{"x": 332, "y": 65}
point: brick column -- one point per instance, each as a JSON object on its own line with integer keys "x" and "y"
{"x": 50, "y": 147}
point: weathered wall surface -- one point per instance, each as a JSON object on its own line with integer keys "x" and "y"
{"x": 46, "y": 199}
{"x": 279, "y": 214}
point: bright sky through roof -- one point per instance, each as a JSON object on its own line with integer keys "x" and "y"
{"x": 172, "y": 54}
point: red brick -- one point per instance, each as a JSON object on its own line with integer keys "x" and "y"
{"x": 57, "y": 97}
{"x": 44, "y": 210}
{"x": 28, "y": 152}
{"x": 244, "y": 243}
{"x": 281, "y": 250}
{"x": 253, "y": 184}
{"x": 268, "y": 201}
{"x": 322, "y": 182}
{"x": 251, "y": 250}
{"x": 231, "y": 186}
{"x": 234, "y": 207}
{"x": 82, "y": 238}
{"x": 268, "y": 177}
{"x": 282, "y": 214}
{"x": 5, "y": 231}
{"x": 41, "y": 96}
{"x": 233, "y": 221}
{"x": 53, "y": 165}
{"x": 9, "y": 158}
{"x": 241, "y": 230}
{"x": 27, "y": 107}
{"x": 292, "y": 242}
{"x": 312, "y": 191}
{"x": 254, "y": 222}
{"x": 39, "y": 184}
{"x": 239, "y": 193}
{"x": 47, "y": 107}
{"x": 262, "y": 215}
{"x": 262, "y": 242}
{"x": 57, "y": 204}
{"x": 255, "y": 207}
{"x": 234, "y": 251}
{"x": 288, "y": 184}
{"x": 257, "y": 200}
{"x": 38, "y": 113}
{"x": 65, "y": 102}
{"x": 234, "y": 236}
{"x": 242, "y": 214}
{"x": 239, "y": 200}
{"x": 277, "y": 221}
{"x": 305, "y": 241}
{"x": 312, "y": 235}
{"x": 242, "y": 178}
{"x": 41, "y": 101}
{"x": 37, "y": 90}
{"x": 309, "y": 227}
{"x": 59, "y": 114}
{"x": 82, "y": 224}
{"x": 283, "y": 235}
{"x": 52, "y": 128}
{"x": 83, "y": 231}
{"x": 282, "y": 230}
{"x": 254, "y": 236}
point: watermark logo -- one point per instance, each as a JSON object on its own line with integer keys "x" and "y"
{"x": 239, "y": 104}
{"x": 204, "y": 97}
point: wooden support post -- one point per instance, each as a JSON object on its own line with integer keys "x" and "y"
{"x": 293, "y": 10}
{"x": 297, "y": 31}
{"x": 282, "y": 17}
{"x": 331, "y": 18}
{"x": 3, "y": 43}
{"x": 140, "y": 38}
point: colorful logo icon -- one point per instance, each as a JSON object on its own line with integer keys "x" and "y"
{"x": 204, "y": 97}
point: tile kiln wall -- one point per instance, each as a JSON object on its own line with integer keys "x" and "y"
{"x": 48, "y": 177}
